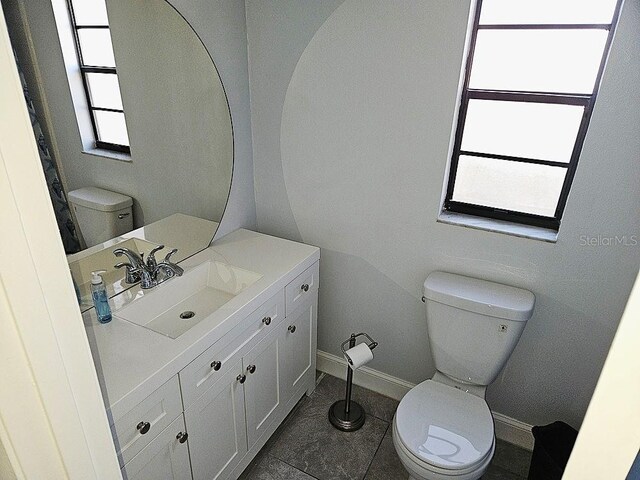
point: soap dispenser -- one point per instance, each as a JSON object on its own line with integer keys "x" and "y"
{"x": 100, "y": 299}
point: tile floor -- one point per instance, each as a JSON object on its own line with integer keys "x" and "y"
{"x": 307, "y": 447}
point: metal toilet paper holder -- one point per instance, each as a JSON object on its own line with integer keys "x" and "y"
{"x": 347, "y": 415}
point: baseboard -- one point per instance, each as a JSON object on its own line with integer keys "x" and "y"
{"x": 507, "y": 428}
{"x": 364, "y": 376}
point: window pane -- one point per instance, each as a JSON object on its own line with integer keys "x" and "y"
{"x": 531, "y": 130}
{"x": 90, "y": 12}
{"x": 111, "y": 127}
{"x": 562, "y": 61}
{"x": 95, "y": 44}
{"x": 547, "y": 11}
{"x": 516, "y": 186}
{"x": 104, "y": 90}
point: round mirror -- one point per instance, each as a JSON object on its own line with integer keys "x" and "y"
{"x": 177, "y": 114}
{"x": 172, "y": 187}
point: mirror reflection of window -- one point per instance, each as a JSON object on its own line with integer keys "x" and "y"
{"x": 98, "y": 67}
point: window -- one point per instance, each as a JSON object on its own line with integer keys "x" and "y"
{"x": 531, "y": 80}
{"x": 98, "y": 68}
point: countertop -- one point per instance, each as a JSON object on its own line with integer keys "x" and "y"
{"x": 133, "y": 361}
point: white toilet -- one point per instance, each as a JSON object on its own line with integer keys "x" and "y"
{"x": 443, "y": 428}
{"x": 102, "y": 214}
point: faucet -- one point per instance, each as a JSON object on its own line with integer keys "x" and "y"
{"x": 146, "y": 272}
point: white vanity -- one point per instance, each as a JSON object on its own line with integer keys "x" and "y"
{"x": 198, "y": 402}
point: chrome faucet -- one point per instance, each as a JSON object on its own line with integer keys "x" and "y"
{"x": 147, "y": 272}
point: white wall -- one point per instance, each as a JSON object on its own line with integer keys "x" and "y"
{"x": 221, "y": 26}
{"x": 352, "y": 106}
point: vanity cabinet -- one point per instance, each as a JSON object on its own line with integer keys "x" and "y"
{"x": 233, "y": 395}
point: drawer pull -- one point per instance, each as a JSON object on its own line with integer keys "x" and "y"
{"x": 266, "y": 320}
{"x": 292, "y": 328}
{"x": 182, "y": 437}
{"x": 216, "y": 365}
{"x": 241, "y": 378}
{"x": 143, "y": 427}
{"x": 251, "y": 369}
{"x": 304, "y": 287}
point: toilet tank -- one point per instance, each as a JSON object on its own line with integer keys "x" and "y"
{"x": 102, "y": 214}
{"x": 473, "y": 325}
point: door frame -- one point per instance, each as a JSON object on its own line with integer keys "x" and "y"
{"x": 53, "y": 422}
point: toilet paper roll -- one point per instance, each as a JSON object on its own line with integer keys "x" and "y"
{"x": 359, "y": 355}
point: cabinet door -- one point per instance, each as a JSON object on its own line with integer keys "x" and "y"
{"x": 299, "y": 347}
{"x": 164, "y": 458}
{"x": 216, "y": 426}
{"x": 263, "y": 396}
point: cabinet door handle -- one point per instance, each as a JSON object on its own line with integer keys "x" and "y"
{"x": 241, "y": 378}
{"x": 216, "y": 365}
{"x": 266, "y": 320}
{"x": 304, "y": 287}
{"x": 143, "y": 427}
{"x": 251, "y": 369}
{"x": 182, "y": 437}
{"x": 292, "y": 328}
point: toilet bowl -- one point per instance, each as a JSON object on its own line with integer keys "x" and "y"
{"x": 443, "y": 428}
{"x": 441, "y": 432}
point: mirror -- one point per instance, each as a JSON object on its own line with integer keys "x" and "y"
{"x": 178, "y": 174}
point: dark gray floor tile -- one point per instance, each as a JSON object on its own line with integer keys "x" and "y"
{"x": 495, "y": 472}
{"x": 512, "y": 458}
{"x": 310, "y": 443}
{"x": 373, "y": 403}
{"x": 270, "y": 468}
{"x": 386, "y": 465}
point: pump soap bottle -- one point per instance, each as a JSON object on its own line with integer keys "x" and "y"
{"x": 100, "y": 298}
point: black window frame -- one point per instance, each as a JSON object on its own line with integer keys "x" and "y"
{"x": 84, "y": 70}
{"x": 585, "y": 100}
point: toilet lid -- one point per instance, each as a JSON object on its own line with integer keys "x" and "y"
{"x": 444, "y": 426}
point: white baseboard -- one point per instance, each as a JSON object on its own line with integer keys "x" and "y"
{"x": 507, "y": 428}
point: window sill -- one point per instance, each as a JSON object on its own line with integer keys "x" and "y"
{"x": 498, "y": 226}
{"x": 101, "y": 152}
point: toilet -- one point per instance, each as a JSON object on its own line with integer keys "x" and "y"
{"x": 102, "y": 214}
{"x": 443, "y": 428}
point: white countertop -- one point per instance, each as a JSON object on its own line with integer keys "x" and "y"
{"x": 133, "y": 361}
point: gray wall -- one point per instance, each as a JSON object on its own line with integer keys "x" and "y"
{"x": 221, "y": 26}
{"x": 352, "y": 107}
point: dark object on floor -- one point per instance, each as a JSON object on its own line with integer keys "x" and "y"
{"x": 553, "y": 445}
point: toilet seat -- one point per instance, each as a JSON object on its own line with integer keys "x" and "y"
{"x": 445, "y": 430}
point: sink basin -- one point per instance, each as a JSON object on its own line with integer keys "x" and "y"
{"x": 82, "y": 265}
{"x": 174, "y": 307}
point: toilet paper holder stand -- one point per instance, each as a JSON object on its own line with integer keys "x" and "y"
{"x": 347, "y": 415}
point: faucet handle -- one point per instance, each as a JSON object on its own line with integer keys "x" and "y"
{"x": 152, "y": 263}
{"x": 168, "y": 255}
{"x": 169, "y": 267}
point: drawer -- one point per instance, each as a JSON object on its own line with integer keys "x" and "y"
{"x": 302, "y": 287}
{"x": 151, "y": 416}
{"x": 164, "y": 458}
{"x": 197, "y": 377}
